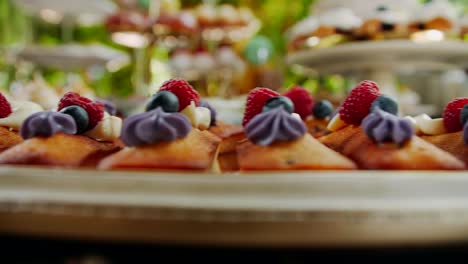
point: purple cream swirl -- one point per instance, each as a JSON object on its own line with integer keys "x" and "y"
{"x": 109, "y": 106}
{"x": 274, "y": 125}
{"x": 465, "y": 133}
{"x": 46, "y": 124}
{"x": 212, "y": 112}
{"x": 384, "y": 127}
{"x": 154, "y": 126}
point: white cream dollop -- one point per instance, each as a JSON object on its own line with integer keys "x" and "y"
{"x": 200, "y": 117}
{"x": 296, "y": 116}
{"x": 392, "y": 15}
{"x": 424, "y": 124}
{"x": 435, "y": 9}
{"x": 336, "y": 123}
{"x": 342, "y": 18}
{"x": 20, "y": 110}
{"x": 304, "y": 27}
{"x": 108, "y": 129}
{"x": 45, "y": 96}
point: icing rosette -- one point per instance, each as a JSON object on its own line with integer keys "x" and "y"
{"x": 109, "y": 106}
{"x": 154, "y": 126}
{"x": 274, "y": 125}
{"x": 465, "y": 133}
{"x": 46, "y": 124}
{"x": 213, "y": 112}
{"x": 384, "y": 127}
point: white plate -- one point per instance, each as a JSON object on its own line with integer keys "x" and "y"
{"x": 268, "y": 209}
{"x": 73, "y": 56}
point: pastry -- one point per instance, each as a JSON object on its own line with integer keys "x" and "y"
{"x": 171, "y": 135}
{"x": 385, "y": 22}
{"x": 449, "y": 133}
{"x": 300, "y": 32}
{"x": 81, "y": 134}
{"x": 436, "y": 20}
{"x": 230, "y": 136}
{"x": 277, "y": 138}
{"x": 464, "y": 28}
{"x": 12, "y": 115}
{"x": 330, "y": 28}
{"x": 207, "y": 15}
{"x": 383, "y": 141}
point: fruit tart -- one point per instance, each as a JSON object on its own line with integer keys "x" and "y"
{"x": 12, "y": 115}
{"x": 79, "y": 134}
{"x": 171, "y": 135}
{"x": 367, "y": 130}
{"x": 450, "y": 132}
{"x": 277, "y": 139}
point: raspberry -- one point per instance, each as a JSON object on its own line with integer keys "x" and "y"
{"x": 357, "y": 105}
{"x": 302, "y": 99}
{"x": 184, "y": 92}
{"x": 255, "y": 102}
{"x": 452, "y": 114}
{"x": 5, "y": 107}
{"x": 95, "y": 110}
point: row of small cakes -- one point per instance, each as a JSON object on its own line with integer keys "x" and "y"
{"x": 433, "y": 21}
{"x": 179, "y": 131}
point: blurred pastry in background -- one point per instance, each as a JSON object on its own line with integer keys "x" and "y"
{"x": 386, "y": 22}
{"x": 38, "y": 91}
{"x": 300, "y": 32}
{"x": 435, "y": 20}
{"x": 207, "y": 15}
{"x": 337, "y": 26}
{"x": 330, "y": 28}
{"x": 464, "y": 28}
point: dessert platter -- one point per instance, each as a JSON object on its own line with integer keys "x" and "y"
{"x": 295, "y": 173}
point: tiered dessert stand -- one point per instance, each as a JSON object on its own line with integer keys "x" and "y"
{"x": 381, "y": 61}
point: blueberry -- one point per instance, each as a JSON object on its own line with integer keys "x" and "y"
{"x": 386, "y": 104}
{"x": 382, "y": 8}
{"x": 322, "y": 109}
{"x": 278, "y": 101}
{"x": 388, "y": 27}
{"x": 79, "y": 115}
{"x": 166, "y": 100}
{"x": 464, "y": 115}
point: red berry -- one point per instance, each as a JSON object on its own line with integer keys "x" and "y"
{"x": 184, "y": 92}
{"x": 452, "y": 114}
{"x": 255, "y": 102}
{"x": 94, "y": 109}
{"x": 302, "y": 99}
{"x": 357, "y": 105}
{"x": 5, "y": 107}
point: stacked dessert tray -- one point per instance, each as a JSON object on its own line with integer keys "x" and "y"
{"x": 381, "y": 61}
{"x": 307, "y": 209}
